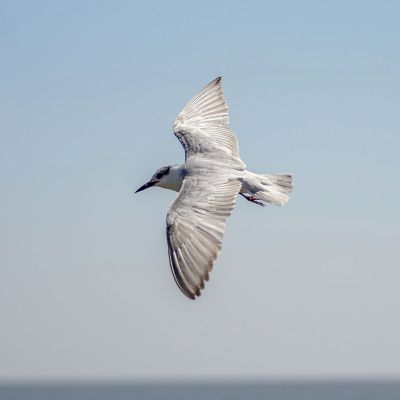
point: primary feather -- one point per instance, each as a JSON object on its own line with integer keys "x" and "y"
{"x": 208, "y": 183}
{"x": 195, "y": 228}
{"x": 202, "y": 127}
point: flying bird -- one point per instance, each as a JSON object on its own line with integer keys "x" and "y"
{"x": 208, "y": 183}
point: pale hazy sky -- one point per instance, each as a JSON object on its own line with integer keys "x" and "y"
{"x": 89, "y": 91}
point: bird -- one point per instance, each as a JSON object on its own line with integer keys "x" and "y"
{"x": 208, "y": 183}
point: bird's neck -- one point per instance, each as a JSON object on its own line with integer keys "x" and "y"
{"x": 174, "y": 179}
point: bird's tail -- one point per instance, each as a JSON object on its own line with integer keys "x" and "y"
{"x": 271, "y": 188}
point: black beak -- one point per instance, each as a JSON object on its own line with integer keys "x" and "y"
{"x": 145, "y": 186}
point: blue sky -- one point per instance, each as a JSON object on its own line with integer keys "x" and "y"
{"x": 89, "y": 92}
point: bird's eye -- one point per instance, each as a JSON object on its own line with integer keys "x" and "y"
{"x": 159, "y": 175}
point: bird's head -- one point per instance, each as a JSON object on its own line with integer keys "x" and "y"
{"x": 160, "y": 178}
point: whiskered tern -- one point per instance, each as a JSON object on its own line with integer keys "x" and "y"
{"x": 208, "y": 182}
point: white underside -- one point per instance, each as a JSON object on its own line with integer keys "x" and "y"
{"x": 269, "y": 188}
{"x": 208, "y": 184}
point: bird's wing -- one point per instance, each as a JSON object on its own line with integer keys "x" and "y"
{"x": 202, "y": 127}
{"x": 195, "y": 228}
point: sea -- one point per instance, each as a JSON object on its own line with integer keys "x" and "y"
{"x": 338, "y": 390}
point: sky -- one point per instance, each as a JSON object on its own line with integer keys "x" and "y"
{"x": 89, "y": 92}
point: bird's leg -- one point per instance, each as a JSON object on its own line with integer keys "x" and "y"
{"x": 253, "y": 199}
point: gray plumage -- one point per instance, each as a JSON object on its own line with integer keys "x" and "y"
{"x": 208, "y": 183}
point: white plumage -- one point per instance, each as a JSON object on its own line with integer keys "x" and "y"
{"x": 202, "y": 128}
{"x": 208, "y": 183}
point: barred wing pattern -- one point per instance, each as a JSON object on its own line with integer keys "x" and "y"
{"x": 202, "y": 127}
{"x": 195, "y": 228}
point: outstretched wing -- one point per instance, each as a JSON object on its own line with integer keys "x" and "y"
{"x": 202, "y": 127}
{"x": 195, "y": 228}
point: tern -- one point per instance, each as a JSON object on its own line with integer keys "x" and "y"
{"x": 208, "y": 183}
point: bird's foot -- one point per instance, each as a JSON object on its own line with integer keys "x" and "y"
{"x": 253, "y": 199}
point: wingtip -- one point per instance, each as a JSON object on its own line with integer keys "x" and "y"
{"x": 190, "y": 296}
